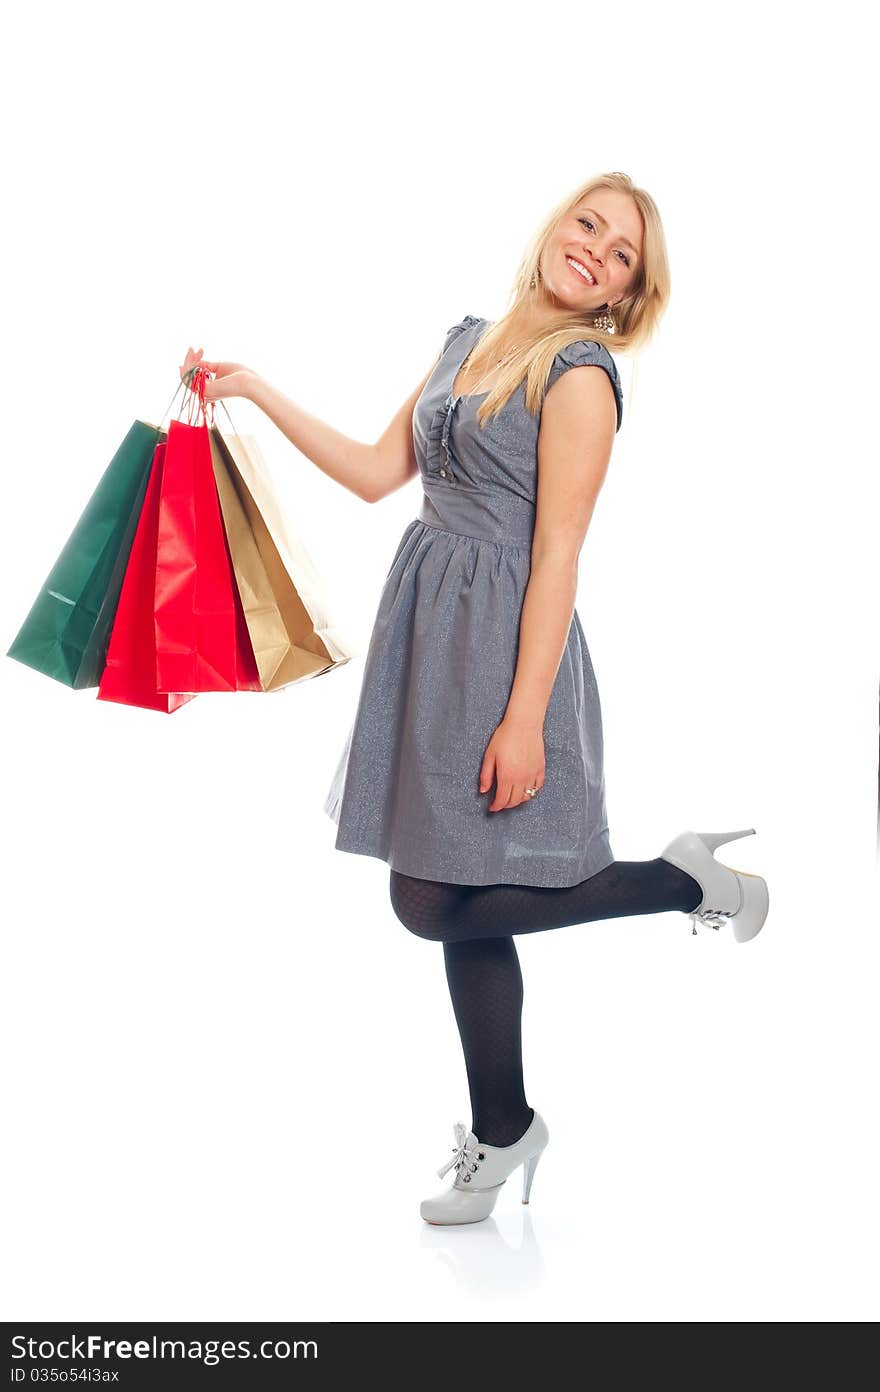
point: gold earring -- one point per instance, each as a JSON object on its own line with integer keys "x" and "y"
{"x": 605, "y": 322}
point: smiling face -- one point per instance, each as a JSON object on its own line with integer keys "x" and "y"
{"x": 604, "y": 233}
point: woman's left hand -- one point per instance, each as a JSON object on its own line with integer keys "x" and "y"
{"x": 515, "y": 758}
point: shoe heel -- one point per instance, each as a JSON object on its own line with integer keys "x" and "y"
{"x": 529, "y": 1173}
{"x": 714, "y": 839}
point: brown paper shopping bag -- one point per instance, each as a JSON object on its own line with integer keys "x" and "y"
{"x": 291, "y": 630}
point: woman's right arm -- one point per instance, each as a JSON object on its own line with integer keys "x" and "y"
{"x": 371, "y": 472}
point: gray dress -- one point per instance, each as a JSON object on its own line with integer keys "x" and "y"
{"x": 442, "y": 659}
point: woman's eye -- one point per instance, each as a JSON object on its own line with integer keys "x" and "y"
{"x": 588, "y": 223}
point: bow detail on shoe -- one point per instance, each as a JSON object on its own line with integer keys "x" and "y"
{"x": 710, "y": 918}
{"x": 718, "y": 918}
{"x": 464, "y": 1152}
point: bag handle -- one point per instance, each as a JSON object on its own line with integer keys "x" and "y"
{"x": 196, "y": 399}
{"x": 201, "y": 374}
{"x": 158, "y": 428}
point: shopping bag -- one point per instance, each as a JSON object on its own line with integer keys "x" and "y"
{"x": 291, "y": 630}
{"x": 129, "y": 675}
{"x": 67, "y": 630}
{"x": 201, "y": 636}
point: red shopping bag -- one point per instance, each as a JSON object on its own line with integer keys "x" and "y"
{"x": 129, "y": 675}
{"x": 201, "y": 635}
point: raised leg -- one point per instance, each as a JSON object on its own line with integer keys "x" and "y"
{"x": 457, "y": 913}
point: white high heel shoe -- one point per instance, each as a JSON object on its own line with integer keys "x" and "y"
{"x": 482, "y": 1171}
{"x": 729, "y": 896}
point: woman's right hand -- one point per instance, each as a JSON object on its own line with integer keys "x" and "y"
{"x": 229, "y": 379}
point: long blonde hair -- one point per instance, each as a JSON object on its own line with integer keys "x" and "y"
{"x": 636, "y": 316}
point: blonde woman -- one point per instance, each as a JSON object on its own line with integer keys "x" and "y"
{"x": 474, "y": 765}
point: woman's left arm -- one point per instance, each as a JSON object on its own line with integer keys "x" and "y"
{"x": 578, "y": 425}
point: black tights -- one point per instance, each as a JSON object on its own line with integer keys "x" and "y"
{"x": 476, "y": 924}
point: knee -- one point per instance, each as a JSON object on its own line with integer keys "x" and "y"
{"x": 424, "y": 907}
{"x": 431, "y": 932}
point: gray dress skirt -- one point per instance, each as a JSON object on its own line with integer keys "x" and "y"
{"x": 442, "y": 658}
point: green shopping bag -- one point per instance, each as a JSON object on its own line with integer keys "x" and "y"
{"x": 67, "y": 632}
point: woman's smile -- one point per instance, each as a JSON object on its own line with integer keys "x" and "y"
{"x": 589, "y": 278}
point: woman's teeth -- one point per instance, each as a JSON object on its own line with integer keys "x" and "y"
{"x": 582, "y": 270}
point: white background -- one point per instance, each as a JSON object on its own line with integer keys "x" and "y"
{"x": 231, "y": 1073}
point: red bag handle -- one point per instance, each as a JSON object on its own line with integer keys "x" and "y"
{"x": 198, "y": 389}
{"x": 195, "y": 401}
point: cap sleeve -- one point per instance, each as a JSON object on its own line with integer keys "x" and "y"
{"x": 452, "y": 334}
{"x": 587, "y": 353}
